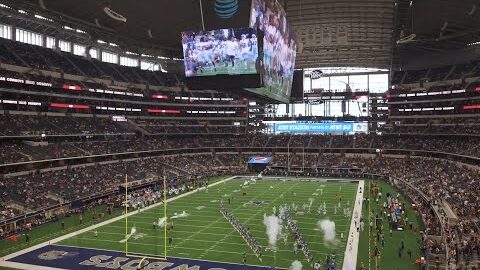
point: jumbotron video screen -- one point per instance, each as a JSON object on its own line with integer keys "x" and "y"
{"x": 220, "y": 52}
{"x": 279, "y": 49}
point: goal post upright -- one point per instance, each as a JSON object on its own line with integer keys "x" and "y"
{"x": 139, "y": 255}
{"x": 165, "y": 214}
{"x": 126, "y": 214}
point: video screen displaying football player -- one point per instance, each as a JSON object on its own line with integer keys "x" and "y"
{"x": 279, "y": 44}
{"x": 223, "y": 51}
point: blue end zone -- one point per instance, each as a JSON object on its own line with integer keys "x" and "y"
{"x": 76, "y": 258}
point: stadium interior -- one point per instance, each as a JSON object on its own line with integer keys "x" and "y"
{"x": 240, "y": 134}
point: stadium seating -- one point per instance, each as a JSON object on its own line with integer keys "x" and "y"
{"x": 16, "y": 125}
{"x": 19, "y": 151}
{"x": 21, "y": 54}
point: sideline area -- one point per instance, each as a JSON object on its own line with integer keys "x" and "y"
{"x": 351, "y": 250}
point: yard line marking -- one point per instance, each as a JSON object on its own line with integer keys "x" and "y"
{"x": 369, "y": 227}
{"x": 246, "y": 221}
{"x": 109, "y": 221}
{"x": 216, "y": 221}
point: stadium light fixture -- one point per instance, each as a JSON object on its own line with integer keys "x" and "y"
{"x": 101, "y": 41}
{"x": 474, "y": 43}
{"x": 22, "y": 11}
{"x": 113, "y": 44}
{"x": 472, "y": 11}
{"x": 407, "y": 39}
{"x": 114, "y": 15}
{"x": 42, "y": 18}
{"x": 5, "y": 6}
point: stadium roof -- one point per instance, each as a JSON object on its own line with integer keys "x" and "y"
{"x": 356, "y": 33}
{"x": 343, "y": 32}
{"x": 437, "y": 25}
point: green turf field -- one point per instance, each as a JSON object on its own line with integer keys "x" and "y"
{"x": 52, "y": 230}
{"x": 241, "y": 67}
{"x": 205, "y": 234}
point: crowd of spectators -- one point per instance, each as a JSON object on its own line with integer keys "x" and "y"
{"x": 23, "y": 125}
{"x": 189, "y": 126}
{"x": 20, "y": 151}
{"x": 436, "y": 128}
{"x": 39, "y": 190}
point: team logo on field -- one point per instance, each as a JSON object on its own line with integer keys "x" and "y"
{"x": 257, "y": 203}
{"x": 56, "y": 255}
{"x": 138, "y": 236}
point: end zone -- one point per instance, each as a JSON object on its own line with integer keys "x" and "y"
{"x": 52, "y": 257}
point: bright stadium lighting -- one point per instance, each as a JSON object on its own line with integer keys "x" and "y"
{"x": 101, "y": 41}
{"x": 473, "y": 43}
{"x": 5, "y": 6}
{"x": 42, "y": 18}
{"x": 22, "y": 11}
{"x": 113, "y": 44}
{"x": 67, "y": 27}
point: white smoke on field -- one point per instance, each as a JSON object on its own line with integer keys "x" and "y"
{"x": 132, "y": 232}
{"x": 161, "y": 222}
{"x": 296, "y": 265}
{"x": 328, "y": 228}
{"x": 181, "y": 215}
{"x": 274, "y": 229}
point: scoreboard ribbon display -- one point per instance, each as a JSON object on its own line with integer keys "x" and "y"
{"x": 326, "y": 127}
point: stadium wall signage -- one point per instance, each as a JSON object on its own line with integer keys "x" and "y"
{"x": 316, "y": 74}
{"x": 326, "y": 127}
{"x": 260, "y": 160}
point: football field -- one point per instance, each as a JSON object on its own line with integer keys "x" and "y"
{"x": 203, "y": 233}
{"x": 241, "y": 67}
